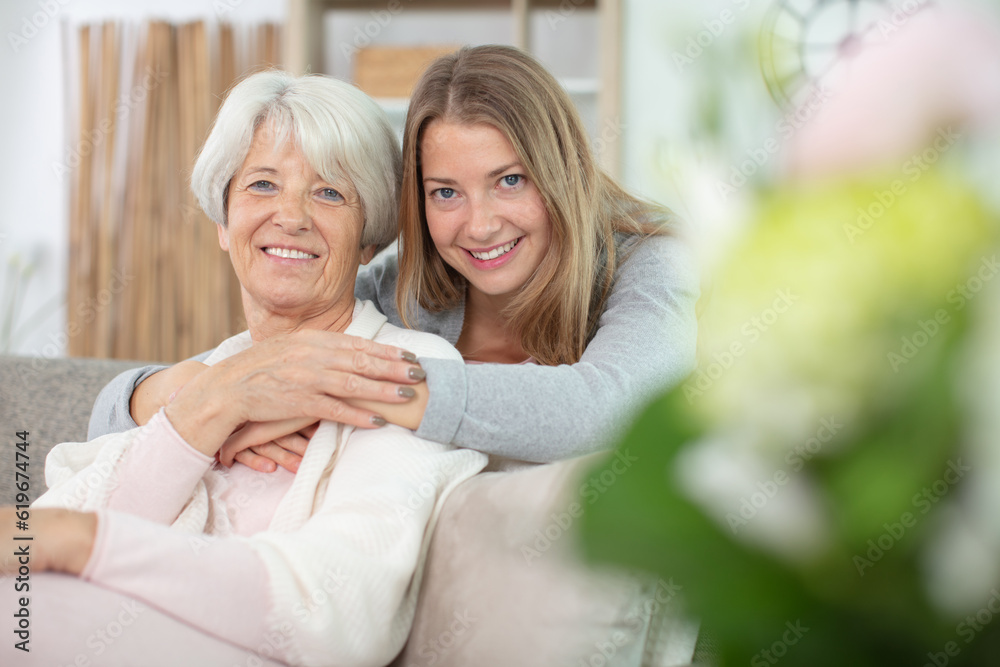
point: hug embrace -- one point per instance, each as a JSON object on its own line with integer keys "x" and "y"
{"x": 528, "y": 309}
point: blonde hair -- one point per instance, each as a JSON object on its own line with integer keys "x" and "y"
{"x": 556, "y": 312}
{"x": 341, "y": 131}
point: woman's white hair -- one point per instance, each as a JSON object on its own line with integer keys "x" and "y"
{"x": 343, "y": 134}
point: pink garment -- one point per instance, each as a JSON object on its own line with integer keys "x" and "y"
{"x": 250, "y": 497}
{"x": 76, "y": 622}
{"x": 87, "y": 621}
{"x": 147, "y": 560}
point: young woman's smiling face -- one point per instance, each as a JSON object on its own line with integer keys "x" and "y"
{"x": 487, "y": 220}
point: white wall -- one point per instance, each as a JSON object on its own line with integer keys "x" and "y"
{"x": 32, "y": 201}
{"x": 693, "y": 103}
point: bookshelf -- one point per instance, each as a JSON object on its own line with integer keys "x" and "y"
{"x": 304, "y": 47}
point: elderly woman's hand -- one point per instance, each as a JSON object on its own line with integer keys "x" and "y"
{"x": 365, "y": 370}
{"x": 260, "y": 445}
{"x": 305, "y": 374}
{"x": 61, "y": 540}
{"x": 265, "y": 445}
{"x": 156, "y": 391}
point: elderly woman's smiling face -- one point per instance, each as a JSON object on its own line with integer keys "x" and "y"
{"x": 294, "y": 239}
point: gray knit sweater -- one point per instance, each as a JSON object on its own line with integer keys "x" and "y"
{"x": 645, "y": 342}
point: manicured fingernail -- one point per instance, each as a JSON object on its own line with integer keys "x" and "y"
{"x": 416, "y": 373}
{"x": 406, "y": 392}
{"x": 378, "y": 421}
{"x": 409, "y": 356}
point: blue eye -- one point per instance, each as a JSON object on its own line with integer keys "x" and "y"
{"x": 512, "y": 180}
{"x": 330, "y": 193}
{"x": 444, "y": 193}
{"x": 262, "y": 185}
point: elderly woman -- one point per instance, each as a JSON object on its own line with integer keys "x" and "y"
{"x": 301, "y": 176}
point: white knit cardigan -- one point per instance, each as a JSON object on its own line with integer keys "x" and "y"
{"x": 362, "y": 505}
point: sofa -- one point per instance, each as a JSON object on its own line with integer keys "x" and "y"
{"x": 496, "y": 591}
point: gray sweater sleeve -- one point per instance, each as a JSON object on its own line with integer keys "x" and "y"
{"x": 645, "y": 342}
{"x": 111, "y": 409}
{"x": 111, "y": 412}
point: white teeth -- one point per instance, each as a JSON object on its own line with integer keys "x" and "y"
{"x": 496, "y": 252}
{"x": 289, "y": 254}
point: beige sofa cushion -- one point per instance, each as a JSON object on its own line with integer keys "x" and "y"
{"x": 503, "y": 585}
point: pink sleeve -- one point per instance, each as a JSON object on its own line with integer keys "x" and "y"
{"x": 157, "y": 476}
{"x": 219, "y": 586}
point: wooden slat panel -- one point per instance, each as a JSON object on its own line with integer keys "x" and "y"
{"x": 132, "y": 211}
{"x": 145, "y": 339}
{"x": 80, "y": 254}
{"x": 106, "y": 209}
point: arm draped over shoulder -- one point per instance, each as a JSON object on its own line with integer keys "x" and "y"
{"x": 645, "y": 343}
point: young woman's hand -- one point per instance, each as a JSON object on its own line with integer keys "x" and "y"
{"x": 265, "y": 445}
{"x": 345, "y": 367}
{"x": 408, "y": 414}
{"x": 61, "y": 540}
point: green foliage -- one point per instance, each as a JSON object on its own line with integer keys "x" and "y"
{"x": 861, "y": 596}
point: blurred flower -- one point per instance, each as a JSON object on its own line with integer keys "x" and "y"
{"x": 832, "y": 461}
